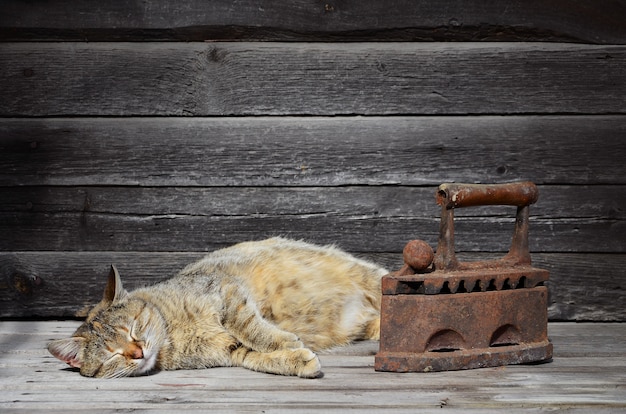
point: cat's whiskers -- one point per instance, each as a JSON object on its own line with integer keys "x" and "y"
{"x": 127, "y": 371}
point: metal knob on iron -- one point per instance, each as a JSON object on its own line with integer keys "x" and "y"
{"x": 418, "y": 254}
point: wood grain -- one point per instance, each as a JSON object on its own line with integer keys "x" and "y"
{"x": 92, "y": 232}
{"x": 584, "y": 21}
{"x": 312, "y": 151}
{"x": 567, "y": 202}
{"x": 586, "y": 375}
{"x": 58, "y": 284}
{"x": 367, "y": 219}
{"x": 196, "y": 79}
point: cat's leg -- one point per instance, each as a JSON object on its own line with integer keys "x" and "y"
{"x": 368, "y": 330}
{"x": 372, "y": 330}
{"x": 244, "y": 321}
{"x": 301, "y": 362}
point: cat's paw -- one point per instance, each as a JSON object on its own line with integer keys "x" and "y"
{"x": 290, "y": 341}
{"x": 297, "y": 344}
{"x": 311, "y": 367}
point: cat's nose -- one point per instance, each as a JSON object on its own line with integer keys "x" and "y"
{"x": 134, "y": 351}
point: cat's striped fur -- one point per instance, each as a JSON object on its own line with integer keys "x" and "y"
{"x": 265, "y": 305}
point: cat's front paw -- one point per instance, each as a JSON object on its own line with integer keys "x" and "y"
{"x": 297, "y": 344}
{"x": 290, "y": 341}
{"x": 311, "y": 368}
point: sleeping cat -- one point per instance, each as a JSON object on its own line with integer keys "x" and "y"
{"x": 264, "y": 305}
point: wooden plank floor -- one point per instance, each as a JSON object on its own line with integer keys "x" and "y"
{"x": 588, "y": 374}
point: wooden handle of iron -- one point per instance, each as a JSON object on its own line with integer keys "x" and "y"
{"x": 452, "y": 195}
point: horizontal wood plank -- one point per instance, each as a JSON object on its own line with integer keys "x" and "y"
{"x": 566, "y": 202}
{"x": 93, "y": 232}
{"x": 597, "y": 21}
{"x": 582, "y": 287}
{"x": 576, "y": 380}
{"x": 367, "y": 219}
{"x": 196, "y": 79}
{"x": 312, "y": 151}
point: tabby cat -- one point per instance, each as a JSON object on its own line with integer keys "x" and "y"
{"x": 263, "y": 305}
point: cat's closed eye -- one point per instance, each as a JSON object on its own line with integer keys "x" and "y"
{"x": 128, "y": 334}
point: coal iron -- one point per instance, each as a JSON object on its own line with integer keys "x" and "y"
{"x": 440, "y": 314}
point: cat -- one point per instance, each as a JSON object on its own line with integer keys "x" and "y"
{"x": 263, "y": 305}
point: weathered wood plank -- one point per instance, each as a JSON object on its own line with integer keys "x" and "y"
{"x": 582, "y": 287}
{"x": 575, "y": 380}
{"x": 302, "y": 151}
{"x": 566, "y": 202}
{"x": 311, "y": 78}
{"x": 575, "y": 344}
{"x": 365, "y": 219}
{"x": 587, "y": 21}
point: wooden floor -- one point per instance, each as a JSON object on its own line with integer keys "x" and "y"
{"x": 588, "y": 374}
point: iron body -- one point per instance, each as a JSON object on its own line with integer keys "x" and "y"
{"x": 451, "y": 315}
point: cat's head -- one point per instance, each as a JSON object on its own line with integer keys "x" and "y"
{"x": 121, "y": 336}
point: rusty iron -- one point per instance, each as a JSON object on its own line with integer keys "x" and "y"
{"x": 440, "y": 314}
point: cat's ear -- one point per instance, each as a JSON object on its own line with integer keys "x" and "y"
{"x": 68, "y": 350}
{"x": 114, "y": 290}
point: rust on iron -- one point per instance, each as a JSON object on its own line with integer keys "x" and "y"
{"x": 439, "y": 314}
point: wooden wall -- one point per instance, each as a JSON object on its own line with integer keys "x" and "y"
{"x": 147, "y": 133}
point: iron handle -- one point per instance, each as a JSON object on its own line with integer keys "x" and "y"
{"x": 520, "y": 194}
{"x": 451, "y": 196}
